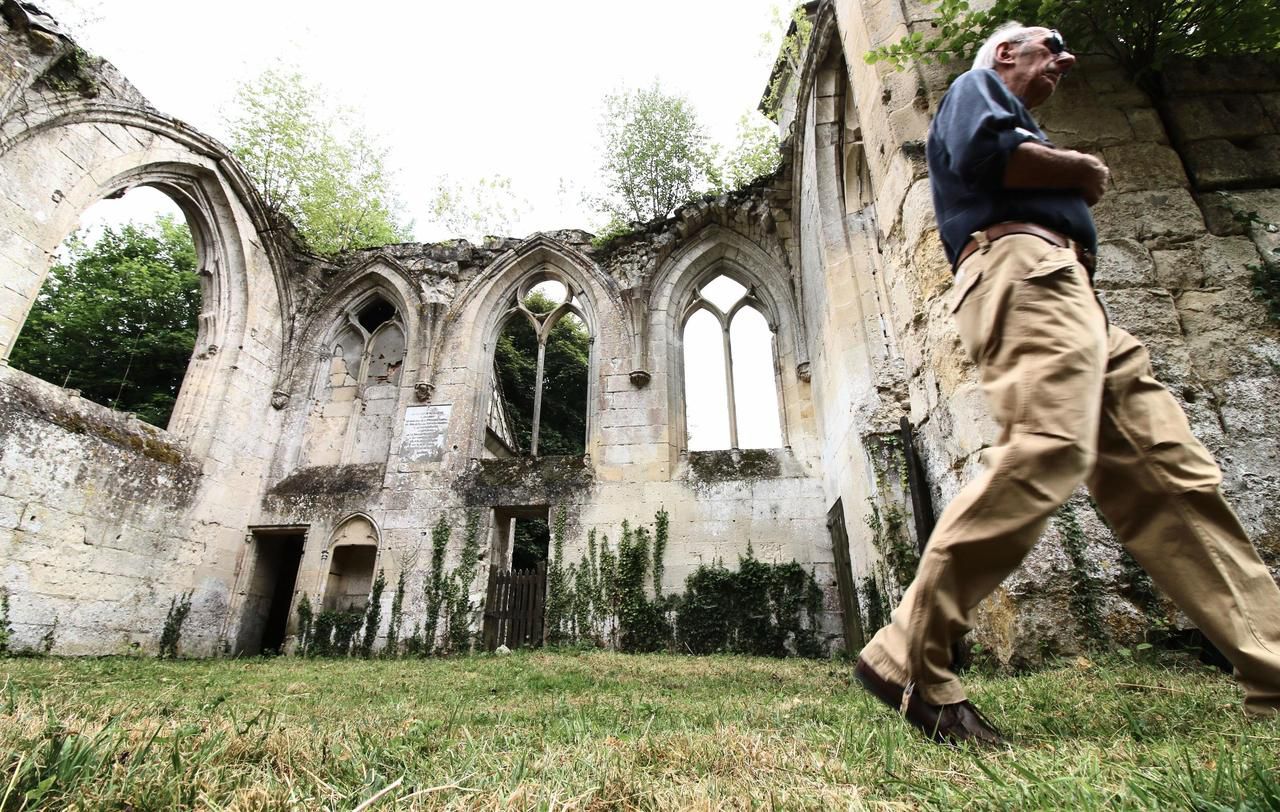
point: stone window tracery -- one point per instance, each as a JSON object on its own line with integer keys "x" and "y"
{"x": 538, "y": 398}
{"x": 369, "y": 350}
{"x": 730, "y": 368}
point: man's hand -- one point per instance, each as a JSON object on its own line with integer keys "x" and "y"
{"x": 1035, "y": 166}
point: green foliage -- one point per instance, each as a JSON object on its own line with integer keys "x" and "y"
{"x": 488, "y": 208}
{"x": 461, "y": 611}
{"x": 795, "y": 42}
{"x": 1142, "y": 37}
{"x": 50, "y": 636}
{"x": 392, "y": 648}
{"x": 314, "y": 165}
{"x": 1086, "y": 590}
{"x": 171, "y": 634}
{"x": 6, "y": 630}
{"x": 761, "y": 609}
{"x": 890, "y": 537}
{"x": 643, "y": 625}
{"x": 872, "y": 601}
{"x": 373, "y": 614}
{"x": 613, "y": 230}
{"x": 563, "y": 420}
{"x": 558, "y": 613}
{"x": 322, "y": 642}
{"x": 661, "y": 535}
{"x": 436, "y": 588}
{"x": 346, "y": 625}
{"x": 656, "y": 154}
{"x": 117, "y": 319}
{"x": 305, "y": 619}
{"x": 755, "y": 154}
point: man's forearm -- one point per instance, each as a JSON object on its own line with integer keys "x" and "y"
{"x": 1035, "y": 166}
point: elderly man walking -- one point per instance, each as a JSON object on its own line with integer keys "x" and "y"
{"x": 1075, "y": 399}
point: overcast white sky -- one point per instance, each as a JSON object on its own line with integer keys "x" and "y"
{"x": 467, "y": 89}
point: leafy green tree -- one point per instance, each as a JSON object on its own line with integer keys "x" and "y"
{"x": 117, "y": 319}
{"x": 755, "y": 155}
{"x": 319, "y": 169}
{"x": 563, "y": 421}
{"x": 657, "y": 156}
{"x": 1141, "y": 36}
{"x": 487, "y": 208}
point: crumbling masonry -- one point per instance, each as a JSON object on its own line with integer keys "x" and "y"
{"x": 338, "y": 408}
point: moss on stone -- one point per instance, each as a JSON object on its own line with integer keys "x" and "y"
{"x": 525, "y": 480}
{"x": 729, "y": 465}
{"x": 330, "y": 480}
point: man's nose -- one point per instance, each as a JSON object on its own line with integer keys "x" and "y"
{"x": 1066, "y": 61}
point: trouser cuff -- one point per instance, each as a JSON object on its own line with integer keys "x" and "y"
{"x": 938, "y": 693}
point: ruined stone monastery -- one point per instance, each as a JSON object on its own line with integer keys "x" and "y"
{"x": 334, "y": 410}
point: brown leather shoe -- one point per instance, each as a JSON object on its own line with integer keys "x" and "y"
{"x": 947, "y": 724}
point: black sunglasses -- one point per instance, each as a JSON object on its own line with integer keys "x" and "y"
{"x": 1055, "y": 43}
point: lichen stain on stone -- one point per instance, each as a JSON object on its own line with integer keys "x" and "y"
{"x": 526, "y": 481}
{"x": 138, "y": 438}
{"x": 728, "y": 465}
{"x": 330, "y": 480}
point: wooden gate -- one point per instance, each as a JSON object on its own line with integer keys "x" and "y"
{"x": 850, "y": 610}
{"x": 513, "y": 607}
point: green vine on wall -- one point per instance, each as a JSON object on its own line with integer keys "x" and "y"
{"x": 6, "y": 630}
{"x": 1086, "y": 590}
{"x": 891, "y": 539}
{"x": 373, "y": 614}
{"x": 305, "y": 619}
{"x": 459, "y": 636}
{"x": 436, "y": 585}
{"x": 795, "y": 43}
{"x": 395, "y": 619}
{"x": 171, "y": 634}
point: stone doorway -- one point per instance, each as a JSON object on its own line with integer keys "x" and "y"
{"x": 269, "y": 595}
{"x": 516, "y": 592}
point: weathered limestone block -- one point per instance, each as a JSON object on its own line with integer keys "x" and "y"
{"x": 1147, "y": 125}
{"x": 1137, "y": 167}
{"x": 1214, "y": 322}
{"x": 1074, "y": 129}
{"x": 1221, "y": 74}
{"x": 1168, "y": 213}
{"x": 1218, "y": 116}
{"x": 1271, "y": 104}
{"x": 1123, "y": 263}
{"x": 1208, "y": 262}
{"x": 1220, "y": 163}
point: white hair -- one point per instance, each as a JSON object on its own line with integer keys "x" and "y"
{"x": 1012, "y": 32}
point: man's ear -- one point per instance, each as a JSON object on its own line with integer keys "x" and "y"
{"x": 1006, "y": 53}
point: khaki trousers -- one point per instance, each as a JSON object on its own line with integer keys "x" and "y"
{"x": 1077, "y": 403}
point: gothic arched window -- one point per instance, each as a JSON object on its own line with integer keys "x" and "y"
{"x": 538, "y": 403}
{"x": 730, "y": 374}
{"x": 369, "y": 350}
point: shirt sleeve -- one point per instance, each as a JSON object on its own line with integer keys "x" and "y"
{"x": 980, "y": 126}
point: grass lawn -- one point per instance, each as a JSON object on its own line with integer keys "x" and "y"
{"x": 610, "y": 731}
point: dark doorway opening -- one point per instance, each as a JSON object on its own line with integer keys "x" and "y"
{"x": 531, "y": 543}
{"x": 269, "y": 595}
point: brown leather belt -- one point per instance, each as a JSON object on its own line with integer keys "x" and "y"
{"x": 995, "y": 232}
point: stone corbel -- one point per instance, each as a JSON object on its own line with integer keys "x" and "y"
{"x": 803, "y": 371}
{"x": 432, "y": 329}
{"x": 636, "y": 301}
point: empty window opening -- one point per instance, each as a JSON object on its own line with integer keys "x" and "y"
{"x": 538, "y": 401}
{"x": 270, "y": 590}
{"x": 118, "y": 314}
{"x": 730, "y": 374}
{"x": 353, "y": 554}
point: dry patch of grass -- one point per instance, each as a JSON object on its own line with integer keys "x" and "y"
{"x": 608, "y": 731}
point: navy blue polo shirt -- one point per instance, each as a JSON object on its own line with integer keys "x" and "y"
{"x": 979, "y": 123}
